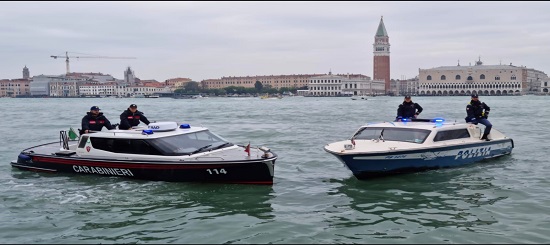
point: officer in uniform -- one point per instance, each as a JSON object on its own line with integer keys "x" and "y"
{"x": 477, "y": 112}
{"x": 131, "y": 117}
{"x": 95, "y": 121}
{"x": 408, "y": 109}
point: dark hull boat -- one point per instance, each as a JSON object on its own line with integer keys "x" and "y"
{"x": 162, "y": 152}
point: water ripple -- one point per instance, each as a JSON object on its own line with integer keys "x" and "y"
{"x": 314, "y": 198}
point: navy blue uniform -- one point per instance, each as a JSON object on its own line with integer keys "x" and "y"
{"x": 129, "y": 119}
{"x": 477, "y": 112}
{"x": 95, "y": 123}
{"x": 408, "y": 110}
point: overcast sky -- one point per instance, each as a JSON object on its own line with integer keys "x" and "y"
{"x": 208, "y": 40}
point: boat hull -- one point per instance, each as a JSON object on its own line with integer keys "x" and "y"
{"x": 254, "y": 171}
{"x": 372, "y": 165}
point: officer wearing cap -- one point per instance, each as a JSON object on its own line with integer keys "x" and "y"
{"x": 131, "y": 117}
{"x": 408, "y": 109}
{"x": 95, "y": 121}
{"x": 477, "y": 112}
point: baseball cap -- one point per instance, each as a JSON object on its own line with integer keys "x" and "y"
{"x": 133, "y": 106}
{"x": 94, "y": 108}
{"x": 407, "y": 97}
{"x": 474, "y": 96}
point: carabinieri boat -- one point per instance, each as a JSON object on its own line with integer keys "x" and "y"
{"x": 162, "y": 151}
{"x": 389, "y": 148}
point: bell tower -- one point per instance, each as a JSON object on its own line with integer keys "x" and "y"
{"x": 381, "y": 54}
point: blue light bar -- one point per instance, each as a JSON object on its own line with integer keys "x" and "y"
{"x": 185, "y": 126}
{"x": 147, "y": 131}
{"x": 439, "y": 120}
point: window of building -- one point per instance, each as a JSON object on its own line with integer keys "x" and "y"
{"x": 443, "y": 77}
{"x": 482, "y": 76}
{"x": 513, "y": 77}
{"x": 452, "y": 135}
{"x": 457, "y": 77}
{"x": 497, "y": 78}
{"x": 429, "y": 77}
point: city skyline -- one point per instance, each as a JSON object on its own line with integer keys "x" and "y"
{"x": 209, "y": 40}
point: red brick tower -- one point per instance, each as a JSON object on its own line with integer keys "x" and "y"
{"x": 381, "y": 53}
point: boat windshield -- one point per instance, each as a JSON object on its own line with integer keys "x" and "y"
{"x": 412, "y": 135}
{"x": 187, "y": 144}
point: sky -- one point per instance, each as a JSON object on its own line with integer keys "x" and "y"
{"x": 210, "y": 40}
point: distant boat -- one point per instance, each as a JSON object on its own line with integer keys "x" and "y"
{"x": 152, "y": 96}
{"x": 356, "y": 97}
{"x": 138, "y": 96}
{"x": 270, "y": 97}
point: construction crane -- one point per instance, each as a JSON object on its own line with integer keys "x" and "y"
{"x": 66, "y": 56}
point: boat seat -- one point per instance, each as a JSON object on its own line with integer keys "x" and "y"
{"x": 475, "y": 131}
{"x": 65, "y": 153}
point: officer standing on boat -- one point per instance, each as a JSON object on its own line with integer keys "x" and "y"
{"x": 477, "y": 112}
{"x": 95, "y": 121}
{"x": 408, "y": 109}
{"x": 131, "y": 117}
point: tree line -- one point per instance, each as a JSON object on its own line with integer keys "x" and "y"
{"x": 196, "y": 88}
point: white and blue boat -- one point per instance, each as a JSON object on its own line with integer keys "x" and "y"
{"x": 387, "y": 148}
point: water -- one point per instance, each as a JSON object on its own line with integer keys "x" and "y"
{"x": 314, "y": 198}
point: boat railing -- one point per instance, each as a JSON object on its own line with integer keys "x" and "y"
{"x": 197, "y": 158}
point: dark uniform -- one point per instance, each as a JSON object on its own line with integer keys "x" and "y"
{"x": 477, "y": 112}
{"x": 408, "y": 110}
{"x": 130, "y": 119}
{"x": 95, "y": 122}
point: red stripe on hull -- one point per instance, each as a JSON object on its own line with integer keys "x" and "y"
{"x": 126, "y": 165}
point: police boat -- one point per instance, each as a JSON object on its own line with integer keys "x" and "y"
{"x": 388, "y": 148}
{"x": 165, "y": 151}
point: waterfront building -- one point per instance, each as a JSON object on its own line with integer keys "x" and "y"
{"x": 535, "y": 80}
{"x": 363, "y": 87}
{"x": 381, "y": 56}
{"x": 140, "y": 91}
{"x": 67, "y": 85}
{"x": 325, "y": 85}
{"x": 344, "y": 85}
{"x": 404, "y": 87}
{"x": 97, "y": 89}
{"x": 95, "y": 76}
{"x": 545, "y": 86}
{"x": 64, "y": 88}
{"x": 479, "y": 78}
{"x": 14, "y": 87}
{"x": 40, "y": 85}
{"x": 177, "y": 83}
{"x": 274, "y": 81}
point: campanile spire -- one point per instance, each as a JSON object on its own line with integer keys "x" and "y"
{"x": 381, "y": 54}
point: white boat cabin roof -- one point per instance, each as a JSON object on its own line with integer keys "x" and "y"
{"x": 151, "y": 131}
{"x": 418, "y": 125}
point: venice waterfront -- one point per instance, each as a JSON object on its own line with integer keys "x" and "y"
{"x": 314, "y": 198}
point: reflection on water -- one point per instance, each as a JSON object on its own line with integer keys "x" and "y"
{"x": 401, "y": 206}
{"x": 130, "y": 210}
